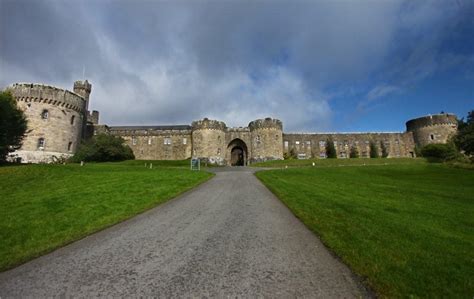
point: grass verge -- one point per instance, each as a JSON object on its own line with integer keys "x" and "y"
{"x": 407, "y": 229}
{"x": 47, "y": 206}
{"x": 338, "y": 162}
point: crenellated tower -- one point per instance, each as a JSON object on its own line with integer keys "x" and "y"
{"x": 208, "y": 138}
{"x": 266, "y": 139}
{"x": 436, "y": 128}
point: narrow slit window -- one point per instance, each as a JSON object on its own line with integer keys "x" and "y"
{"x": 45, "y": 114}
{"x": 41, "y": 143}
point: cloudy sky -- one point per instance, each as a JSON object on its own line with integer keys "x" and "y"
{"x": 316, "y": 65}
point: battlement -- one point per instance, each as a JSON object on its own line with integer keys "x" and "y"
{"x": 238, "y": 129}
{"x": 33, "y": 92}
{"x": 267, "y": 123}
{"x": 208, "y": 124}
{"x": 84, "y": 85}
{"x": 431, "y": 120}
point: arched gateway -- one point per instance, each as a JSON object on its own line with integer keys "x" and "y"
{"x": 237, "y": 153}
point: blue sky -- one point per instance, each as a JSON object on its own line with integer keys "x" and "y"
{"x": 316, "y": 65}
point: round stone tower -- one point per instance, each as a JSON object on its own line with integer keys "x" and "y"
{"x": 55, "y": 121}
{"x": 266, "y": 139}
{"x": 435, "y": 128}
{"x": 209, "y": 140}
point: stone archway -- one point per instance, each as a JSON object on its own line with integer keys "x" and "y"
{"x": 237, "y": 153}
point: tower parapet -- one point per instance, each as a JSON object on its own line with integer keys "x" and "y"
{"x": 208, "y": 124}
{"x": 267, "y": 123}
{"x": 436, "y": 128}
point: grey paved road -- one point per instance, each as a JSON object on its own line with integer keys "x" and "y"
{"x": 228, "y": 237}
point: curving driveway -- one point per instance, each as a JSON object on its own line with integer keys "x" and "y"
{"x": 228, "y": 237}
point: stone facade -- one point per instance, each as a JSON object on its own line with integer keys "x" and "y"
{"x": 58, "y": 119}
{"x": 55, "y": 121}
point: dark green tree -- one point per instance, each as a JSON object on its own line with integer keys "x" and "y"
{"x": 13, "y": 125}
{"x": 440, "y": 152}
{"x": 103, "y": 148}
{"x": 464, "y": 138}
{"x": 354, "y": 153}
{"x": 374, "y": 151}
{"x": 330, "y": 149}
{"x": 384, "y": 149}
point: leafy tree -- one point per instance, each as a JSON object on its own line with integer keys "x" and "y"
{"x": 103, "y": 148}
{"x": 330, "y": 149}
{"x": 354, "y": 153}
{"x": 374, "y": 151}
{"x": 440, "y": 151}
{"x": 464, "y": 139}
{"x": 384, "y": 149}
{"x": 13, "y": 125}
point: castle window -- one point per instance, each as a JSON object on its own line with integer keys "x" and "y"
{"x": 432, "y": 137}
{"x": 185, "y": 141}
{"x": 322, "y": 143}
{"x": 149, "y": 140}
{"x": 45, "y": 114}
{"x": 72, "y": 119}
{"x": 134, "y": 140}
{"x": 286, "y": 144}
{"x": 69, "y": 146}
{"x": 257, "y": 138}
{"x": 167, "y": 141}
{"x": 297, "y": 142}
{"x": 41, "y": 143}
{"x": 218, "y": 151}
{"x": 276, "y": 136}
{"x": 308, "y": 143}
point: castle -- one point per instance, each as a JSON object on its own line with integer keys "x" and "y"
{"x": 59, "y": 119}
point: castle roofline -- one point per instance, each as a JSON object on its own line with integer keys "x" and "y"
{"x": 46, "y": 86}
{"x": 165, "y": 127}
{"x": 340, "y": 133}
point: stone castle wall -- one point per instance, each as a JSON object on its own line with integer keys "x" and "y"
{"x": 314, "y": 145}
{"x": 436, "y": 128}
{"x": 156, "y": 143}
{"x": 209, "y": 140}
{"x": 54, "y": 115}
{"x": 266, "y": 139}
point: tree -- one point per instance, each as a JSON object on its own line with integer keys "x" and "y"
{"x": 103, "y": 148}
{"x": 464, "y": 138}
{"x": 440, "y": 151}
{"x": 374, "y": 151}
{"x": 384, "y": 149}
{"x": 330, "y": 149}
{"x": 13, "y": 125}
{"x": 354, "y": 152}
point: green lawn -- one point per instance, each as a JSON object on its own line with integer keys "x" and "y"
{"x": 337, "y": 162}
{"x": 407, "y": 229}
{"x": 46, "y": 206}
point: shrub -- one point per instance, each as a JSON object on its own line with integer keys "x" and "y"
{"x": 103, "y": 148}
{"x": 438, "y": 151}
{"x": 330, "y": 149}
{"x": 354, "y": 152}
{"x": 374, "y": 151}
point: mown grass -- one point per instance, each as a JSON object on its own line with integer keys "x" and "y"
{"x": 46, "y": 206}
{"x": 337, "y": 162}
{"x": 408, "y": 229}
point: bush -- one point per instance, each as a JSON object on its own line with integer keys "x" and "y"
{"x": 103, "y": 148}
{"x": 354, "y": 152}
{"x": 290, "y": 155}
{"x": 374, "y": 151}
{"x": 441, "y": 152}
{"x": 330, "y": 149}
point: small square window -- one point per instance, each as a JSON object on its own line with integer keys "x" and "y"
{"x": 185, "y": 141}
{"x": 297, "y": 142}
{"x": 45, "y": 114}
{"x": 286, "y": 144}
{"x": 167, "y": 141}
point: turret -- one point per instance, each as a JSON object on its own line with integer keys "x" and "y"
{"x": 437, "y": 128}
{"x": 266, "y": 139}
{"x": 83, "y": 88}
{"x": 209, "y": 140}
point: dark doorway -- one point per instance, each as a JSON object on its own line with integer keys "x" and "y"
{"x": 237, "y": 156}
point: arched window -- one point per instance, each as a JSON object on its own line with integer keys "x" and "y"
{"x": 72, "y": 119}
{"x": 45, "y": 114}
{"x": 69, "y": 146}
{"x": 41, "y": 143}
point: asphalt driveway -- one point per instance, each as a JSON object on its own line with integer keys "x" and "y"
{"x": 228, "y": 237}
